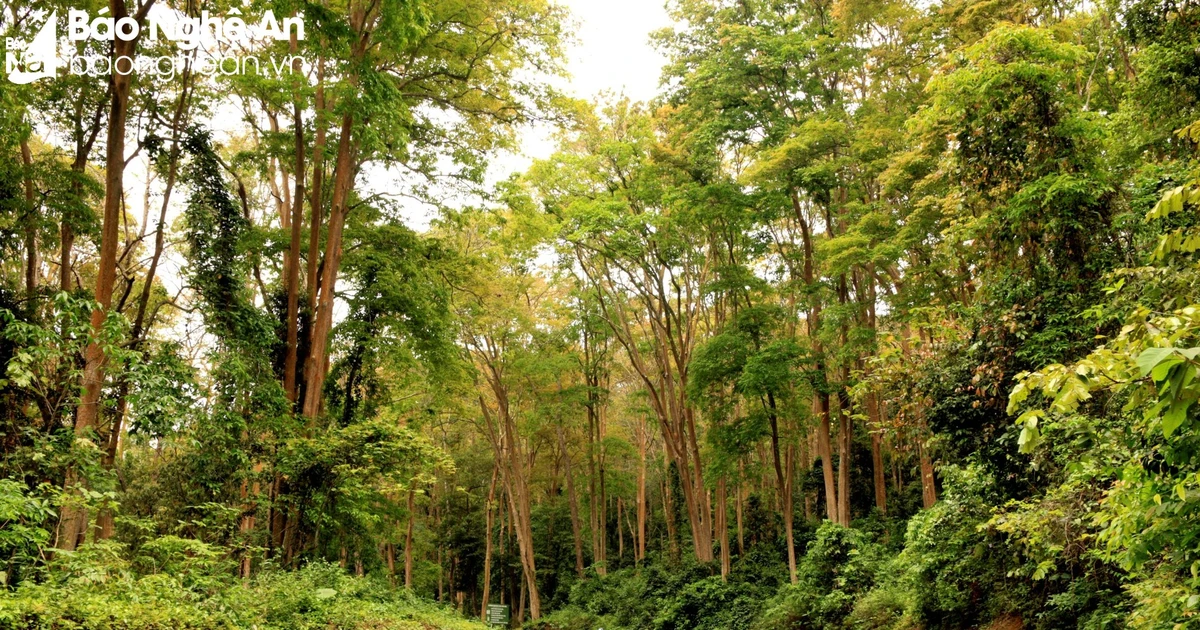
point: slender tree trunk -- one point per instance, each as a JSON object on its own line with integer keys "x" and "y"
{"x": 316, "y": 365}
{"x": 723, "y": 528}
{"x": 442, "y": 575}
{"x": 576, "y": 527}
{"x": 596, "y": 464}
{"x": 506, "y": 444}
{"x": 928, "y": 484}
{"x": 66, "y": 240}
{"x": 318, "y": 178}
{"x": 620, "y": 533}
{"x": 31, "y": 247}
{"x": 524, "y": 531}
{"x": 643, "y": 507}
{"x": 521, "y": 606}
{"x": 845, "y": 455}
{"x": 896, "y": 485}
{"x": 821, "y": 399}
{"x": 390, "y": 555}
{"x": 880, "y": 475}
{"x": 73, "y": 518}
{"x": 783, "y": 484}
{"x": 104, "y": 520}
{"x": 741, "y": 531}
{"x": 246, "y": 525}
{"x": 669, "y": 510}
{"x": 487, "y": 554}
{"x": 293, "y": 256}
{"x": 593, "y": 485}
{"x": 408, "y": 538}
{"x": 825, "y": 451}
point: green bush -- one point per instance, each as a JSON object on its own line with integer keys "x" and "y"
{"x": 881, "y": 609}
{"x": 176, "y": 583}
{"x": 956, "y": 574}
{"x": 839, "y": 566}
{"x": 22, "y": 535}
{"x": 569, "y": 619}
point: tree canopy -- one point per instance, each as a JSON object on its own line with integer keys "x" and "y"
{"x": 879, "y": 315}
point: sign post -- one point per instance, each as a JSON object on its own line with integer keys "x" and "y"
{"x": 498, "y": 615}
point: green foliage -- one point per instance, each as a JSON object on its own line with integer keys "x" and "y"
{"x": 664, "y": 597}
{"x": 24, "y": 517}
{"x": 177, "y": 583}
{"x": 839, "y": 566}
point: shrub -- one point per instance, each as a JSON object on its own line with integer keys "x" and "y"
{"x": 185, "y": 584}
{"x": 839, "y": 566}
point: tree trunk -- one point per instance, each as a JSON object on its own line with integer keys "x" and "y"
{"x": 293, "y": 256}
{"x": 880, "y": 475}
{"x": 104, "y": 520}
{"x": 408, "y": 537}
{"x": 31, "y": 248}
{"x": 783, "y": 484}
{"x": 845, "y": 455}
{"x": 316, "y": 365}
{"x": 73, "y": 518}
{"x": 576, "y": 527}
{"x": 643, "y": 508}
{"x": 246, "y": 525}
{"x": 507, "y": 447}
{"x": 825, "y": 451}
{"x": 390, "y": 551}
{"x": 487, "y": 554}
{"x": 596, "y": 481}
{"x": 741, "y": 530}
{"x": 928, "y": 485}
{"x": 723, "y": 528}
{"x": 821, "y": 399}
{"x": 669, "y": 510}
{"x": 620, "y": 533}
{"x": 318, "y": 177}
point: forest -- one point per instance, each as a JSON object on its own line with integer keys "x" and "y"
{"x": 881, "y": 315}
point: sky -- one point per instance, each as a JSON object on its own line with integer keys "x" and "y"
{"x": 613, "y": 50}
{"x": 611, "y": 53}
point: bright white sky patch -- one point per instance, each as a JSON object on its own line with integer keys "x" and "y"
{"x": 613, "y": 50}
{"x": 611, "y": 54}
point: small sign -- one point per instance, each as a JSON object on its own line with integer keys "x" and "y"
{"x": 497, "y": 614}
